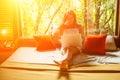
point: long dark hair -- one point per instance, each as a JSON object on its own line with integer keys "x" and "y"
{"x": 68, "y": 13}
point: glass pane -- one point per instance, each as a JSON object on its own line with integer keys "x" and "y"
{"x": 44, "y": 16}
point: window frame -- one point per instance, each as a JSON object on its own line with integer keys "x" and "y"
{"x": 117, "y": 30}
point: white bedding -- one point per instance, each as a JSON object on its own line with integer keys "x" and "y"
{"x": 31, "y": 55}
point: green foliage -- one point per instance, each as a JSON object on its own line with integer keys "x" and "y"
{"x": 40, "y": 15}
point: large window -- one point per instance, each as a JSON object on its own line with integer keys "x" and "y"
{"x": 44, "y": 16}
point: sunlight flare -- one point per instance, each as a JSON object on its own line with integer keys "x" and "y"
{"x": 4, "y": 31}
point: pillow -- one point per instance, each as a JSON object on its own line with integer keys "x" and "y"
{"x": 95, "y": 44}
{"x": 44, "y": 43}
{"x": 110, "y": 43}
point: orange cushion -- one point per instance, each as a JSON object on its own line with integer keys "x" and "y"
{"x": 95, "y": 44}
{"x": 44, "y": 43}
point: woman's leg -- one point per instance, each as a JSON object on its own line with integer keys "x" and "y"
{"x": 72, "y": 51}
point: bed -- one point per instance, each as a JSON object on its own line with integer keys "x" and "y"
{"x": 28, "y": 64}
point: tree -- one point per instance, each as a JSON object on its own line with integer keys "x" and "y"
{"x": 43, "y": 16}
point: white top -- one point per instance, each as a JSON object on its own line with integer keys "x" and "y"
{"x": 71, "y": 37}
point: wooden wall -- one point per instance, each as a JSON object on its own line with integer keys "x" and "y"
{"x": 8, "y": 19}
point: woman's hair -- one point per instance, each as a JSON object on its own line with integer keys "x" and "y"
{"x": 67, "y": 15}
{"x": 69, "y": 21}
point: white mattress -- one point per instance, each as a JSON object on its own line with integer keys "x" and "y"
{"x": 31, "y": 55}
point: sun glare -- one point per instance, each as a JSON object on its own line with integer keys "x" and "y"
{"x": 78, "y": 3}
{"x": 4, "y": 31}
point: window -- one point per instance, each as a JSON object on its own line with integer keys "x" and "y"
{"x": 44, "y": 16}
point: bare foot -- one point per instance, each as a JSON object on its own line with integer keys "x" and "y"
{"x": 57, "y": 62}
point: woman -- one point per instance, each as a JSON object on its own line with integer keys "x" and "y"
{"x": 66, "y": 37}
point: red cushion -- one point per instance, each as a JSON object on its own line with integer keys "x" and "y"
{"x": 95, "y": 44}
{"x": 44, "y": 43}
